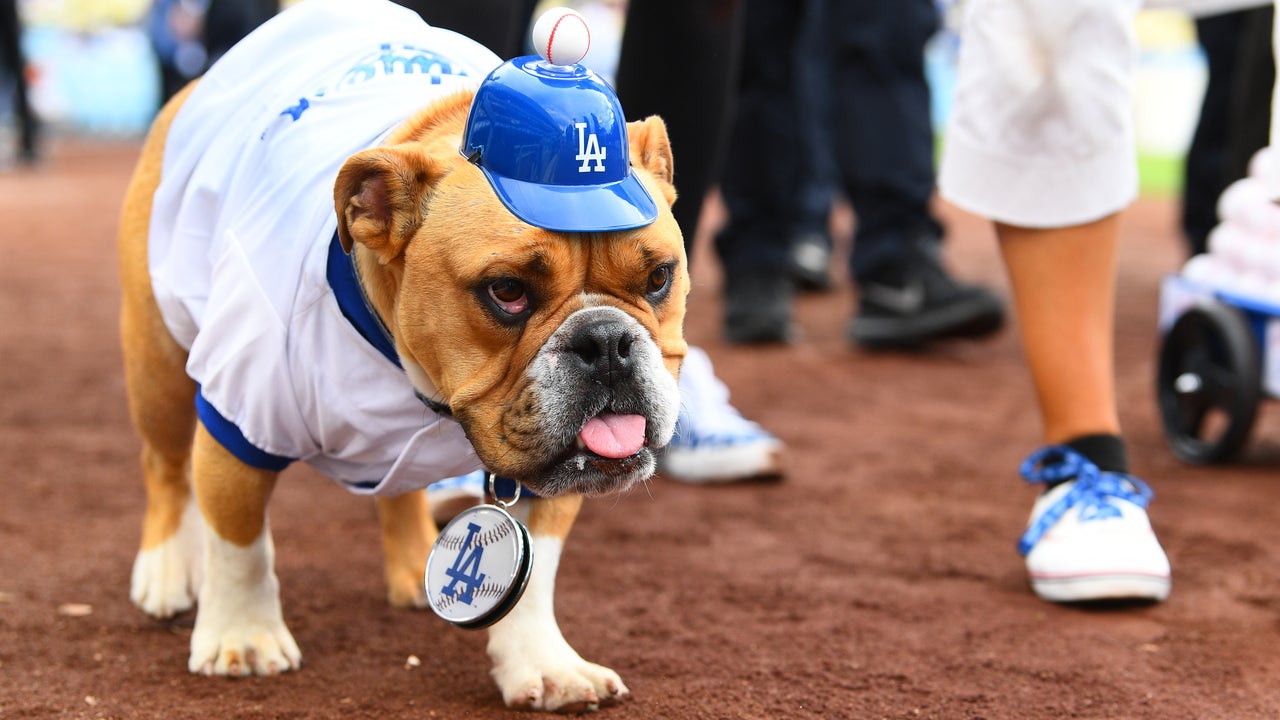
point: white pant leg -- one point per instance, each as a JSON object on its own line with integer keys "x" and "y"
{"x": 1041, "y": 131}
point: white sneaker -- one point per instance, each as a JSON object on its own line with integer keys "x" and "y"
{"x": 453, "y": 495}
{"x": 713, "y": 442}
{"x": 1089, "y": 538}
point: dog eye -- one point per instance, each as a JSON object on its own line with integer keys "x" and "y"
{"x": 509, "y": 294}
{"x": 659, "y": 280}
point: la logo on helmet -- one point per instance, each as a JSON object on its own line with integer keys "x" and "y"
{"x": 589, "y": 149}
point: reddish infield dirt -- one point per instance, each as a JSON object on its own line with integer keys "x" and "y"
{"x": 879, "y": 580}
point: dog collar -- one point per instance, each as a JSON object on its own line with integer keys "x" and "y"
{"x": 355, "y": 307}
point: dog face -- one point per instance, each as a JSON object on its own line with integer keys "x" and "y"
{"x": 557, "y": 352}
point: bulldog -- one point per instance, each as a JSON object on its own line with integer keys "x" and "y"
{"x": 367, "y": 244}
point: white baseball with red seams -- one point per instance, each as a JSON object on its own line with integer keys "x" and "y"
{"x": 561, "y": 36}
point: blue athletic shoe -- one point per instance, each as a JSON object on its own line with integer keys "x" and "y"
{"x": 713, "y": 442}
{"x": 1089, "y": 538}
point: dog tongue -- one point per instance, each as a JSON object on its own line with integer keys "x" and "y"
{"x": 613, "y": 436}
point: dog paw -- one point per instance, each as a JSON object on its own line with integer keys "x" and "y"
{"x": 166, "y": 578}
{"x": 258, "y": 649}
{"x": 240, "y": 626}
{"x": 573, "y": 686}
{"x": 405, "y": 590}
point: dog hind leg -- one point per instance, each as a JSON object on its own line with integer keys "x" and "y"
{"x": 166, "y": 572}
{"x": 408, "y": 532}
{"x": 534, "y": 666}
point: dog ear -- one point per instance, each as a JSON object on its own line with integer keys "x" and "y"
{"x": 379, "y": 198}
{"x": 651, "y": 150}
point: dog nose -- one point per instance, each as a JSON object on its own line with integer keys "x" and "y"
{"x": 603, "y": 350}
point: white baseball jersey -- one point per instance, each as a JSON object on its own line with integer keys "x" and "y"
{"x": 243, "y": 254}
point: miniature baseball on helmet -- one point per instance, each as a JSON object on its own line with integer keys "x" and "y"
{"x": 551, "y": 139}
{"x": 561, "y": 36}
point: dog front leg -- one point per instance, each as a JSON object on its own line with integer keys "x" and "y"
{"x": 533, "y": 664}
{"x": 239, "y": 627}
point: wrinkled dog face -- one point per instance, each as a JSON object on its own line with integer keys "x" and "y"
{"x": 566, "y": 376}
{"x": 606, "y": 402}
{"x": 557, "y": 352}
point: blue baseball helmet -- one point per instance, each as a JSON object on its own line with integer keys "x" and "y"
{"x": 552, "y": 140}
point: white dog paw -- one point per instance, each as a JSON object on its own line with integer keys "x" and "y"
{"x": 240, "y": 628}
{"x": 254, "y": 649}
{"x": 166, "y": 579}
{"x": 534, "y": 666}
{"x": 570, "y": 685}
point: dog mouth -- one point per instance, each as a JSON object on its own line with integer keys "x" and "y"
{"x": 612, "y": 435}
{"x": 610, "y": 453}
{"x": 601, "y": 405}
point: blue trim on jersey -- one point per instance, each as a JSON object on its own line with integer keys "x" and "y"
{"x": 341, "y": 273}
{"x": 230, "y": 437}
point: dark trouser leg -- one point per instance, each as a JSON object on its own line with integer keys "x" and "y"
{"x": 816, "y": 179}
{"x": 1249, "y": 124}
{"x": 759, "y": 178}
{"x": 881, "y": 123}
{"x": 884, "y": 147}
{"x": 1204, "y": 175}
{"x": 761, "y": 164}
{"x": 14, "y": 64}
{"x": 679, "y": 61}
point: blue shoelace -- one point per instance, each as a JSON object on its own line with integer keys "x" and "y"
{"x": 1094, "y": 490}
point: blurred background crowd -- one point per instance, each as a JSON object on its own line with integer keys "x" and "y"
{"x": 102, "y": 67}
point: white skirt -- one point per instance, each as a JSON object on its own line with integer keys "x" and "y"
{"x": 1041, "y": 131}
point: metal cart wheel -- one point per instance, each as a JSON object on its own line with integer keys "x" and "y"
{"x": 1209, "y": 383}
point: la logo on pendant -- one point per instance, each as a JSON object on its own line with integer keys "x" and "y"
{"x": 466, "y": 568}
{"x": 589, "y": 149}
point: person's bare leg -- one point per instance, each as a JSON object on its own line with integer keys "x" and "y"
{"x": 1063, "y": 283}
{"x": 1088, "y": 537}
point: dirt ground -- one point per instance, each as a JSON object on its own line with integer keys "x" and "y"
{"x": 879, "y": 580}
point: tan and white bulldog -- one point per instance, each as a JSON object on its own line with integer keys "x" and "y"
{"x": 540, "y": 343}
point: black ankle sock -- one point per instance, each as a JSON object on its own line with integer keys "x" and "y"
{"x": 1106, "y": 451}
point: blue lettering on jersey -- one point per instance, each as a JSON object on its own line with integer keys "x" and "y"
{"x": 388, "y": 61}
{"x": 296, "y": 111}
{"x": 401, "y": 60}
